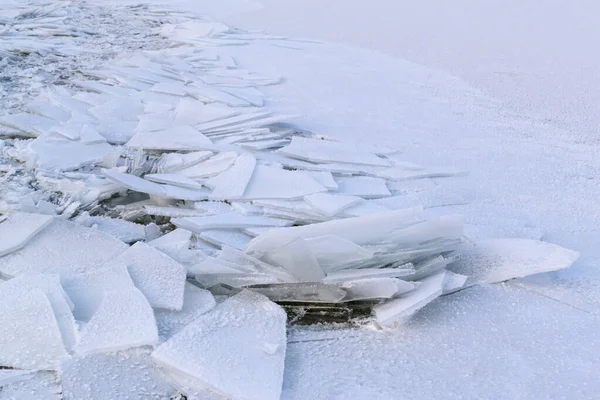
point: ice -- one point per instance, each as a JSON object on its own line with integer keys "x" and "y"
{"x": 182, "y": 137}
{"x": 123, "y": 319}
{"x": 63, "y": 247}
{"x": 297, "y": 258}
{"x": 211, "y": 265}
{"x": 363, "y": 207}
{"x": 497, "y": 260}
{"x": 172, "y": 211}
{"x": 89, "y": 135}
{"x": 196, "y": 302}
{"x": 128, "y": 374}
{"x": 123, "y": 230}
{"x": 363, "y": 186}
{"x": 27, "y": 125}
{"x": 178, "y": 192}
{"x": 232, "y": 183}
{"x": 19, "y": 228}
{"x": 398, "y": 309}
{"x": 376, "y": 288}
{"x": 274, "y": 183}
{"x": 160, "y": 278}
{"x": 193, "y": 112}
{"x": 264, "y": 144}
{"x": 67, "y": 154}
{"x": 211, "y": 167}
{"x": 230, "y": 220}
{"x": 125, "y": 109}
{"x": 330, "y": 204}
{"x": 171, "y": 162}
{"x": 135, "y": 183}
{"x": 29, "y": 334}
{"x": 8, "y": 376}
{"x": 86, "y": 289}
{"x": 366, "y": 273}
{"x": 235, "y": 239}
{"x": 175, "y": 244}
{"x": 50, "y": 285}
{"x": 359, "y": 230}
{"x": 225, "y": 348}
{"x": 329, "y": 152}
{"x": 453, "y": 282}
{"x": 174, "y": 179}
{"x": 236, "y": 280}
{"x": 313, "y": 292}
{"x": 39, "y": 386}
{"x": 48, "y": 110}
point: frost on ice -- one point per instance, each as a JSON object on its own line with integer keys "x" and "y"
{"x": 155, "y": 209}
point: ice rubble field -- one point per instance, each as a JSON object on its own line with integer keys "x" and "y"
{"x": 161, "y": 213}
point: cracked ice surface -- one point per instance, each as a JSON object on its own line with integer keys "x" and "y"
{"x": 136, "y": 122}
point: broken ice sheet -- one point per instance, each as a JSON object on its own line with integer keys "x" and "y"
{"x": 40, "y": 385}
{"x": 123, "y": 230}
{"x": 196, "y": 302}
{"x": 363, "y": 186}
{"x": 232, "y": 183}
{"x": 160, "y": 278}
{"x": 86, "y": 289}
{"x": 29, "y": 335}
{"x": 175, "y": 138}
{"x": 128, "y": 374}
{"x": 67, "y": 154}
{"x": 376, "y": 288}
{"x": 315, "y": 150}
{"x": 171, "y": 162}
{"x": 397, "y": 310}
{"x": 231, "y": 238}
{"x": 331, "y": 204}
{"x": 365, "y": 273}
{"x": 19, "y": 228}
{"x": 174, "y": 179}
{"x": 122, "y": 320}
{"x": 231, "y": 220}
{"x": 497, "y": 260}
{"x": 367, "y": 229}
{"x": 275, "y": 183}
{"x": 61, "y": 304}
{"x": 243, "y": 359}
{"x": 134, "y": 183}
{"x": 313, "y": 292}
{"x": 298, "y": 259}
{"x": 78, "y": 249}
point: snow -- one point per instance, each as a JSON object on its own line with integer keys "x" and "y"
{"x": 19, "y": 228}
{"x": 224, "y": 348}
{"x": 160, "y": 278}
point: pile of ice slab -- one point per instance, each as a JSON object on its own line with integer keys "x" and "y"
{"x": 108, "y": 321}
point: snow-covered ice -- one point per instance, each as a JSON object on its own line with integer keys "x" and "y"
{"x": 236, "y": 350}
{"x": 160, "y": 278}
{"x": 19, "y": 228}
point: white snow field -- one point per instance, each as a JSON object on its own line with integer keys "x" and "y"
{"x": 171, "y": 186}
